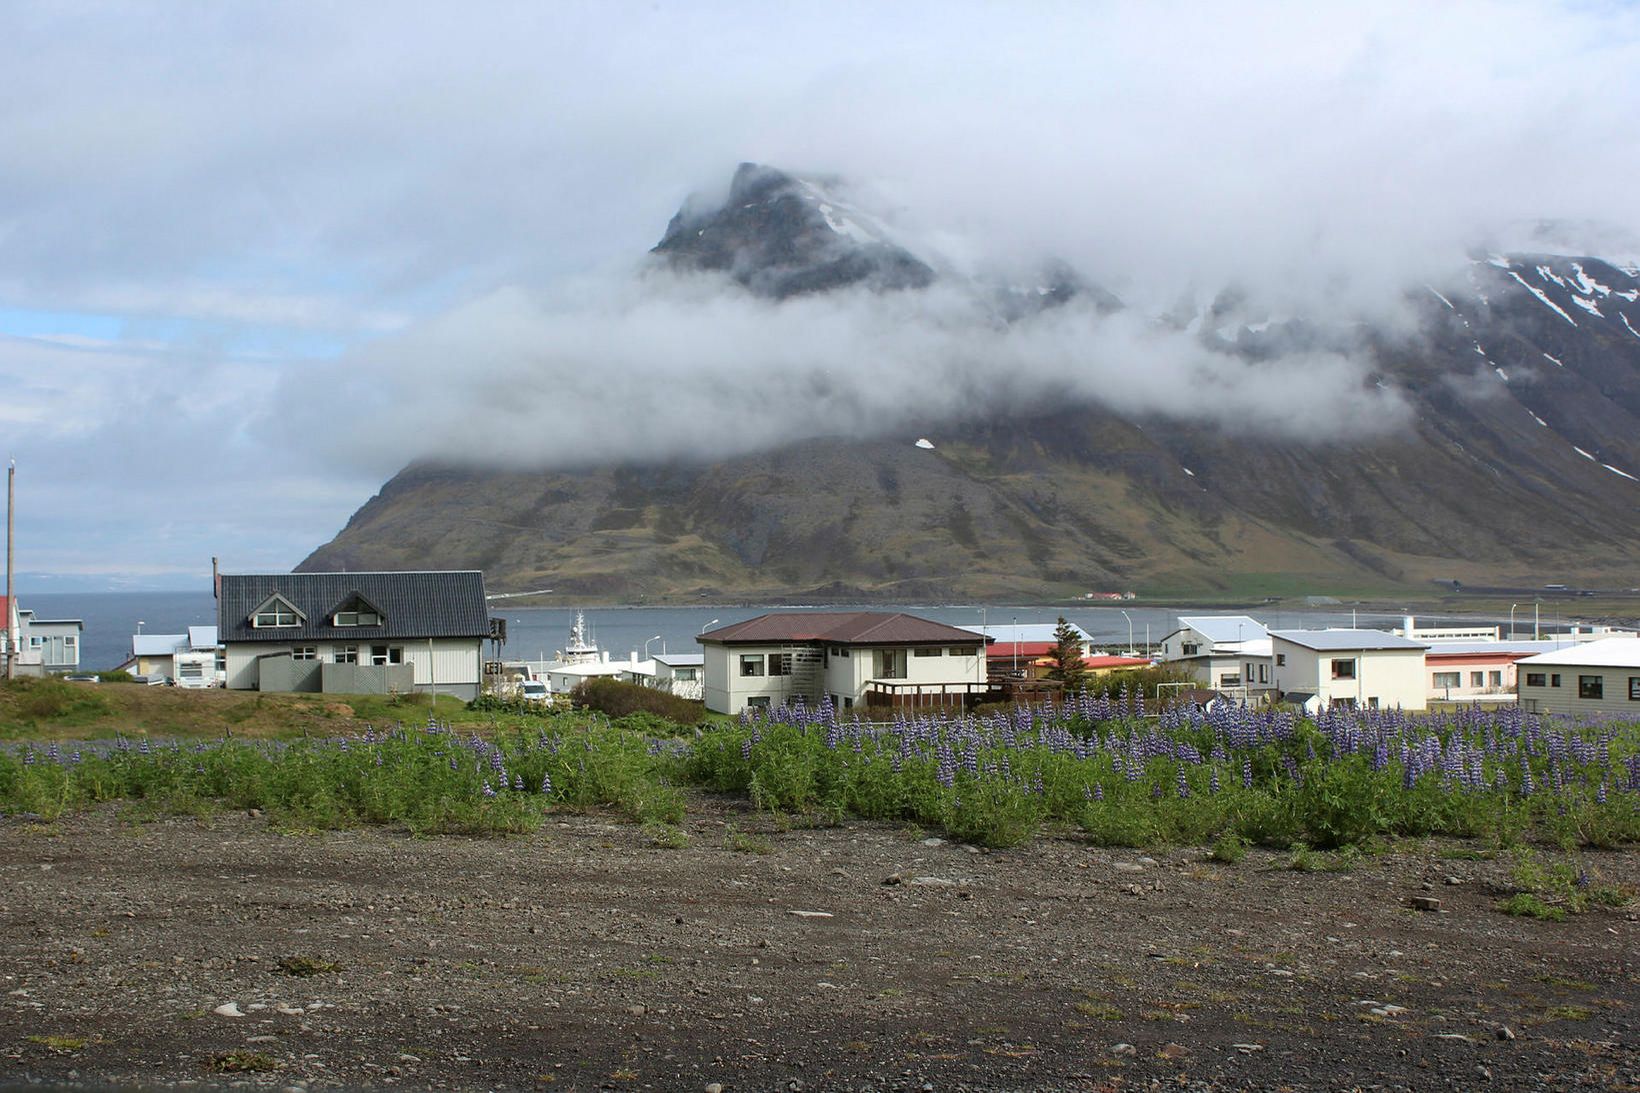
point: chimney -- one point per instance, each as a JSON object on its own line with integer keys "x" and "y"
{"x": 1408, "y": 626}
{"x": 216, "y": 579}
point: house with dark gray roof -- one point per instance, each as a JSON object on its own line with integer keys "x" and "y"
{"x": 852, "y": 658}
{"x": 354, "y": 633}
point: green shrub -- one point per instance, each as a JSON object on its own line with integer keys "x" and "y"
{"x": 616, "y": 699}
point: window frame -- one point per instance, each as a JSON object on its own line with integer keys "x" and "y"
{"x": 752, "y": 666}
{"x": 1338, "y": 663}
{"x": 304, "y": 652}
{"x": 1591, "y": 688}
{"x": 1446, "y": 681}
{"x": 1537, "y": 679}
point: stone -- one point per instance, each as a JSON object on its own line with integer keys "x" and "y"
{"x": 1124, "y": 1049}
{"x": 714, "y": 1087}
{"x": 933, "y": 842}
{"x": 1129, "y": 867}
{"x": 228, "y": 1009}
{"x": 1248, "y": 1049}
{"x": 933, "y": 882}
{"x": 810, "y": 914}
{"x": 893, "y": 879}
{"x": 1425, "y": 903}
{"x": 1505, "y": 1033}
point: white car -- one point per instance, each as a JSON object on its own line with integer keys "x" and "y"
{"x": 533, "y": 690}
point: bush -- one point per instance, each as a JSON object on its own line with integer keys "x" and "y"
{"x": 117, "y": 675}
{"x": 615, "y": 699}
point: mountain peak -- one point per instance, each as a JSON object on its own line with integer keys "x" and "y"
{"x": 781, "y": 235}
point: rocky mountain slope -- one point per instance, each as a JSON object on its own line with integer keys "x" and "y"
{"x": 1520, "y": 461}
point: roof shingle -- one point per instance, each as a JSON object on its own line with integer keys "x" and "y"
{"x": 413, "y": 604}
{"x": 841, "y": 628}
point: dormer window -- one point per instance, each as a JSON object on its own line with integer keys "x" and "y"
{"x": 355, "y": 610}
{"x": 358, "y": 618}
{"x": 275, "y": 611}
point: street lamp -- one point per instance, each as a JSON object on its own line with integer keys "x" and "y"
{"x": 1129, "y": 618}
{"x": 1512, "y": 620}
{"x": 712, "y": 623}
{"x": 139, "y": 626}
{"x": 646, "y": 645}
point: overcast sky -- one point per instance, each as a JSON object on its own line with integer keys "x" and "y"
{"x": 255, "y": 257}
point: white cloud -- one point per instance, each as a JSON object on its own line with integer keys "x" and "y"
{"x": 261, "y": 174}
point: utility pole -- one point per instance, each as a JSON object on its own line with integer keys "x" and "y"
{"x": 11, "y": 539}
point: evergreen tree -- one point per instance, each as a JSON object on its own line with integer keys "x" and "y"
{"x": 1067, "y": 657}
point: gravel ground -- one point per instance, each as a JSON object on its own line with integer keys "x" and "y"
{"x": 222, "y": 951}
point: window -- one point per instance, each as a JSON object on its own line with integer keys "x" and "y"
{"x": 757, "y": 702}
{"x": 358, "y": 618}
{"x": 780, "y": 664}
{"x": 1634, "y": 688}
{"x": 1264, "y": 673}
{"x": 1372, "y": 702}
{"x": 1230, "y": 679}
{"x": 751, "y": 664}
{"x": 1591, "y": 686}
{"x": 959, "y": 651}
{"x": 305, "y": 652}
{"x": 276, "y": 613}
{"x": 69, "y": 640}
{"x": 1281, "y": 660}
{"x": 190, "y": 669}
{"x": 1190, "y": 648}
{"x": 387, "y": 654}
{"x": 936, "y": 651}
{"x": 1343, "y": 669}
{"x": 1554, "y": 679}
{"x": 1445, "y": 681}
{"x": 1477, "y": 679}
{"x": 890, "y": 663}
{"x": 685, "y": 673}
{"x": 347, "y": 654}
{"x": 1536, "y": 679}
{"x": 1494, "y": 679}
{"x": 36, "y": 642}
{"x": 848, "y": 702}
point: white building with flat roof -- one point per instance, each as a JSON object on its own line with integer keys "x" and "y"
{"x": 1318, "y": 669}
{"x": 1596, "y": 677}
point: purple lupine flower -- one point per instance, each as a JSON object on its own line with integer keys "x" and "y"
{"x": 1184, "y": 784}
{"x": 746, "y": 750}
{"x": 489, "y": 790}
{"x": 1600, "y": 794}
{"x": 518, "y": 783}
{"x": 1213, "y": 781}
{"x": 1247, "y": 774}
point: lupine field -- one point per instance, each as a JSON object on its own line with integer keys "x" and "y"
{"x": 1105, "y": 767}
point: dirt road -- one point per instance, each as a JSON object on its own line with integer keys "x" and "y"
{"x": 223, "y": 951}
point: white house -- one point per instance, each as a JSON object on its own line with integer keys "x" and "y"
{"x": 354, "y": 633}
{"x": 193, "y": 659}
{"x": 1597, "y": 677}
{"x": 42, "y": 646}
{"x": 1321, "y": 668}
{"x": 855, "y": 658}
{"x": 681, "y": 674}
{"x": 1228, "y": 653}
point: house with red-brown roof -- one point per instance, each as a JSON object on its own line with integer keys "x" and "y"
{"x": 852, "y": 658}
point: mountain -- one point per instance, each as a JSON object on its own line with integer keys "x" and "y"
{"x": 1519, "y": 462}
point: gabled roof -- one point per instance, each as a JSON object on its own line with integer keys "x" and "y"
{"x": 1005, "y": 650}
{"x": 1339, "y": 641}
{"x": 1605, "y": 653}
{"x": 413, "y": 604}
{"x": 202, "y": 637}
{"x": 1220, "y": 629}
{"x": 840, "y": 628}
